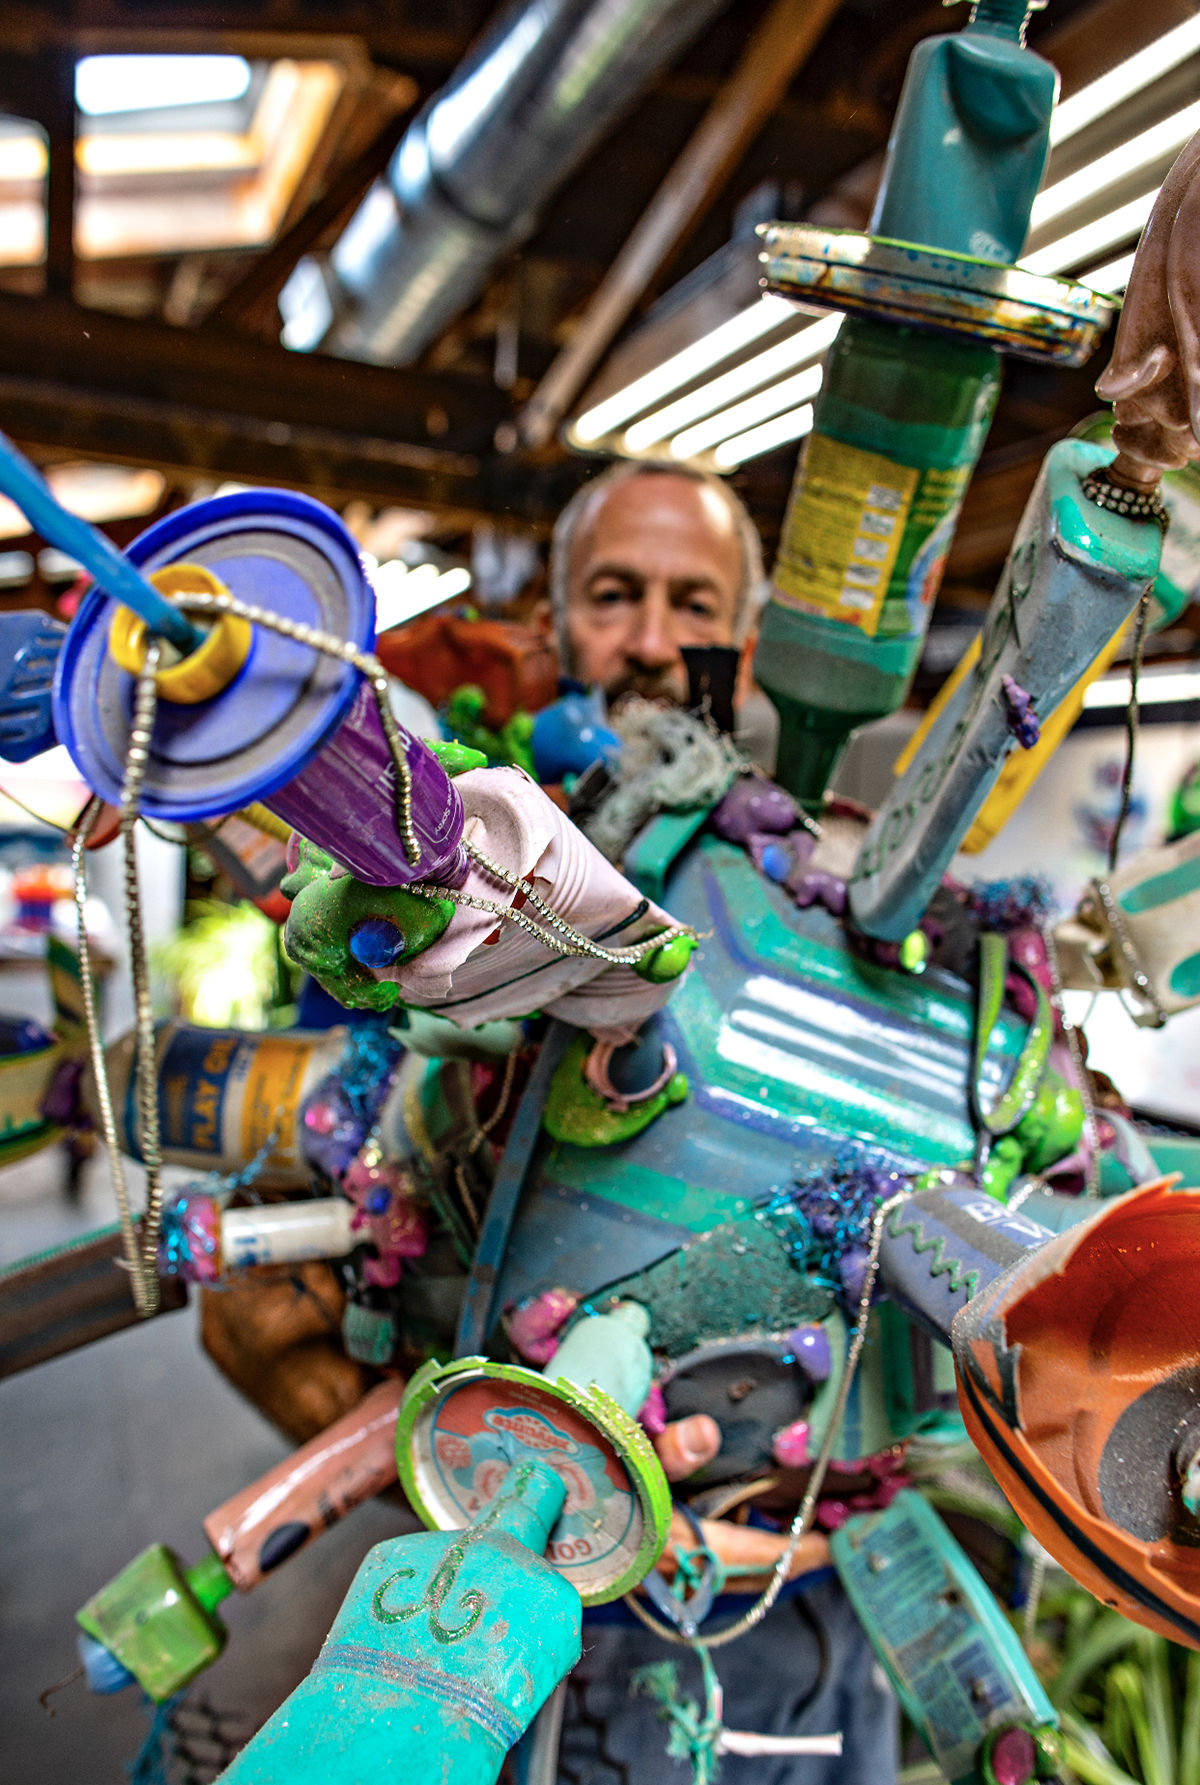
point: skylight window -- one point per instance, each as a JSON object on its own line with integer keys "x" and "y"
{"x": 108, "y": 84}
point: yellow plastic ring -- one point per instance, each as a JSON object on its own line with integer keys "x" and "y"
{"x": 211, "y": 667}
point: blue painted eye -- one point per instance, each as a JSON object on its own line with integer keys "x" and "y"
{"x": 377, "y": 942}
{"x": 777, "y": 861}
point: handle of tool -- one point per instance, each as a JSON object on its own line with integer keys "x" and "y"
{"x": 20, "y": 481}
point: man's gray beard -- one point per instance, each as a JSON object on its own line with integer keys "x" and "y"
{"x": 667, "y": 685}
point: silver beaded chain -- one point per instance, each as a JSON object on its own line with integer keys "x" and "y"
{"x": 802, "y": 1522}
{"x": 140, "y": 1250}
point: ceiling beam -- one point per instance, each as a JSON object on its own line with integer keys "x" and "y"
{"x": 84, "y": 383}
{"x": 261, "y": 29}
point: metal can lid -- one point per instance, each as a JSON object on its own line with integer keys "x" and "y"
{"x": 462, "y": 1425}
{"x": 271, "y": 548}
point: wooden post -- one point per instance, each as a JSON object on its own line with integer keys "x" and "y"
{"x": 781, "y": 45}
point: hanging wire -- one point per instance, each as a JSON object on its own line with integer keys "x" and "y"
{"x": 140, "y": 1251}
{"x": 808, "y": 1506}
{"x": 1131, "y": 729}
{"x": 1075, "y": 1049}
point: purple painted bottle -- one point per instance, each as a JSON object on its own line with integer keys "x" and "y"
{"x": 344, "y": 800}
{"x": 295, "y": 730}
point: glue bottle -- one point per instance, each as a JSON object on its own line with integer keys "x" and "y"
{"x": 223, "y": 1094}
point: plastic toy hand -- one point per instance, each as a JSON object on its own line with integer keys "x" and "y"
{"x": 741, "y": 1547}
{"x": 687, "y": 1444}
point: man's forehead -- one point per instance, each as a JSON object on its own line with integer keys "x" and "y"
{"x": 673, "y": 524}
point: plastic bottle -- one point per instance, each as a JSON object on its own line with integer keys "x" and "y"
{"x": 902, "y": 414}
{"x": 447, "y": 1645}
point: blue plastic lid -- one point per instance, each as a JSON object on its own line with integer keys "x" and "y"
{"x": 281, "y": 551}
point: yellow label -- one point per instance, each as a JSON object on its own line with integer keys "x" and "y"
{"x": 273, "y": 1086}
{"x": 842, "y": 533}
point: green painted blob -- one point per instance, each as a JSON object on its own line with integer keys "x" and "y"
{"x": 1185, "y": 977}
{"x": 574, "y": 1112}
{"x": 456, "y": 758}
{"x": 667, "y": 962}
{"x": 1053, "y": 1125}
{"x": 511, "y": 744}
{"x": 1162, "y": 889}
{"x": 327, "y": 910}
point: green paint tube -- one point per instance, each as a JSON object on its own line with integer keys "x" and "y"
{"x": 903, "y": 414}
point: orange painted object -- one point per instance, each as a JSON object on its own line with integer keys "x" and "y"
{"x": 516, "y": 667}
{"x": 311, "y": 1489}
{"x": 1077, "y": 1374}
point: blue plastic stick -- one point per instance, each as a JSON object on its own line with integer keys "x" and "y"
{"x": 113, "y": 572}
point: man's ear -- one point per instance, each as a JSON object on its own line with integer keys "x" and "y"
{"x": 543, "y": 617}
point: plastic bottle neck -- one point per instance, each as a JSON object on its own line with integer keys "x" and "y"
{"x": 1000, "y": 18}
{"x": 527, "y": 1505}
{"x": 209, "y": 1581}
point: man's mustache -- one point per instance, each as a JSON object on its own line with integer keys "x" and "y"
{"x": 669, "y": 684}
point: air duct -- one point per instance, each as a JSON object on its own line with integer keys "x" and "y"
{"x": 469, "y": 179}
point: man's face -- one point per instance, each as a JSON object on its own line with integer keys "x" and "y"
{"x": 656, "y": 564}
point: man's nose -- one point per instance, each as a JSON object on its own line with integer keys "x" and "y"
{"x": 653, "y": 645}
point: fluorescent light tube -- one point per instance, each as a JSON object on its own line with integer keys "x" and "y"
{"x": 1112, "y": 278}
{"x": 1104, "y": 95}
{"x": 1152, "y": 690}
{"x": 797, "y": 350}
{"x": 1164, "y": 138}
{"x": 682, "y": 367}
{"x": 1093, "y": 238}
{"x": 400, "y": 598}
{"x": 793, "y": 391}
{"x": 792, "y": 426}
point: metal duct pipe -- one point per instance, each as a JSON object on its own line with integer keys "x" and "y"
{"x": 474, "y": 169}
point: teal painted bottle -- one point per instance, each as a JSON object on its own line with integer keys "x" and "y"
{"x": 902, "y": 414}
{"x": 445, "y": 1649}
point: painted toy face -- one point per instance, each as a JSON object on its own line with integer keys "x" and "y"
{"x": 339, "y": 928}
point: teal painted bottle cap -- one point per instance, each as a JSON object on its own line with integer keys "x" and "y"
{"x": 463, "y": 1425}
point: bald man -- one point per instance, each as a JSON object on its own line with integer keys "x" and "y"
{"x": 647, "y": 558}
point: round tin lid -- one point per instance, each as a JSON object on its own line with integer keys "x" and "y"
{"x": 1027, "y": 314}
{"x": 280, "y": 551}
{"x": 462, "y": 1425}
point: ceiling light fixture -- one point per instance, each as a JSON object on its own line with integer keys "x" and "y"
{"x": 692, "y": 362}
{"x": 1129, "y": 77}
{"x": 1153, "y": 690}
{"x": 792, "y": 426}
{"x": 789, "y": 394}
{"x": 1111, "y": 278}
{"x": 1163, "y": 139}
{"x": 797, "y": 350}
{"x": 1092, "y": 238}
{"x": 402, "y": 594}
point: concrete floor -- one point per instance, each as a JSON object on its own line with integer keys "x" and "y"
{"x": 128, "y": 1442}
